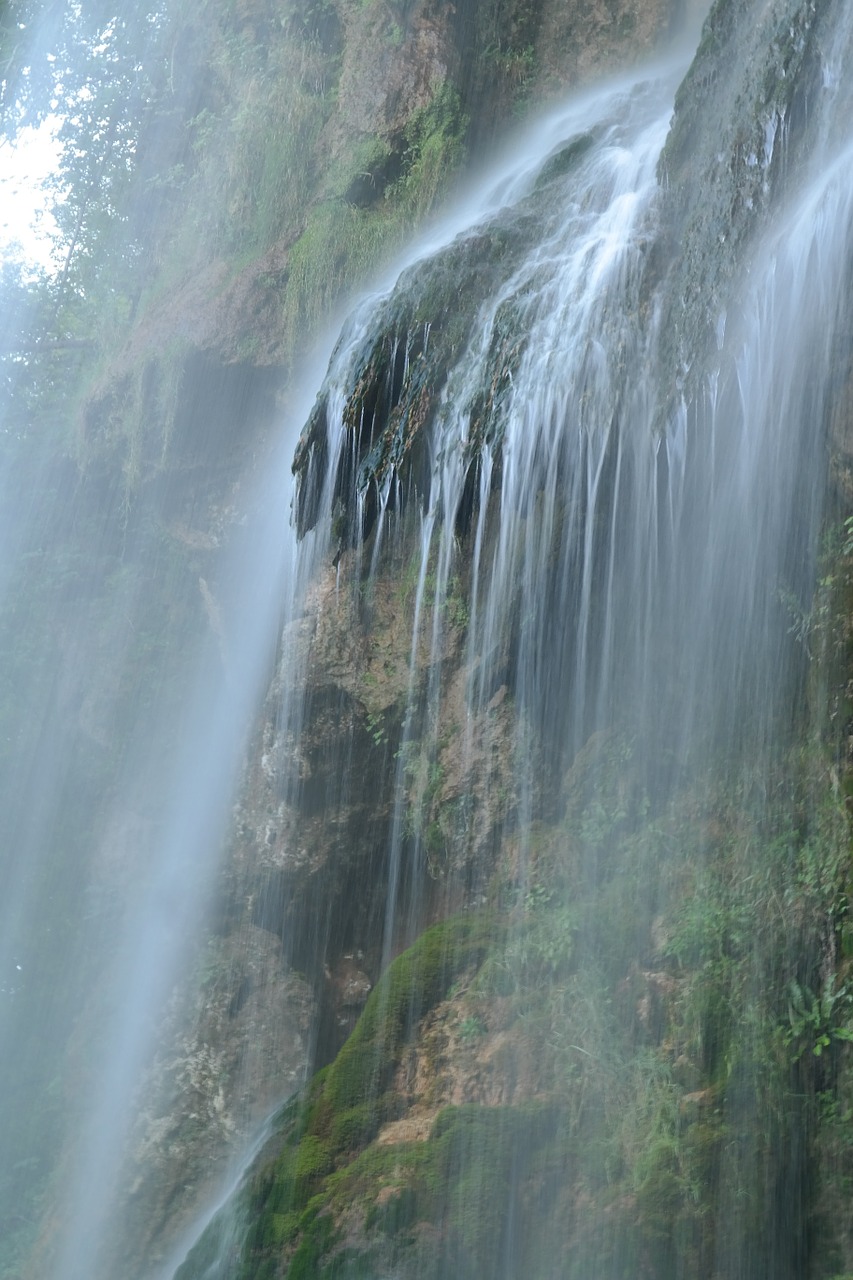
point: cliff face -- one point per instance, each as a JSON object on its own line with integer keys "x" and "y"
{"x": 306, "y": 149}
{"x": 548, "y": 974}
{"x": 307, "y": 144}
{"x": 591, "y": 992}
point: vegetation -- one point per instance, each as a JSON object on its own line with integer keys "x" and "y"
{"x": 673, "y": 987}
{"x": 212, "y": 141}
{"x": 650, "y": 1014}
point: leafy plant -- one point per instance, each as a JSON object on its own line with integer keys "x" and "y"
{"x": 817, "y": 1020}
{"x": 377, "y": 728}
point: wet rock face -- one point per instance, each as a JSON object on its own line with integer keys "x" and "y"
{"x": 349, "y": 987}
{"x": 292, "y": 961}
{"x": 398, "y": 378}
{"x": 394, "y": 57}
{"x": 390, "y": 80}
{"x": 316, "y": 817}
{"x": 317, "y": 852}
{"x": 235, "y": 1042}
{"x": 738, "y": 130}
{"x": 401, "y": 363}
{"x": 576, "y": 40}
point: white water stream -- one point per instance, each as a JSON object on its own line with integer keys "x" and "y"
{"x": 632, "y": 542}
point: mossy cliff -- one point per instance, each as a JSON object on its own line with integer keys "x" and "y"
{"x": 643, "y": 1066}
{"x": 284, "y": 152}
{"x": 505, "y": 1105}
{"x": 771, "y": 69}
{"x": 566, "y": 1024}
{"x": 301, "y": 147}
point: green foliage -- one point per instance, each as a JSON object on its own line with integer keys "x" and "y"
{"x": 455, "y": 605}
{"x": 818, "y": 1020}
{"x": 247, "y": 184}
{"x": 377, "y": 728}
{"x": 462, "y": 1180}
{"x": 516, "y": 67}
{"x": 540, "y": 949}
{"x": 424, "y": 777}
{"x": 434, "y": 149}
{"x": 339, "y": 245}
{"x": 287, "y": 1201}
{"x": 665, "y": 968}
{"x": 412, "y": 985}
{"x": 657, "y": 1074}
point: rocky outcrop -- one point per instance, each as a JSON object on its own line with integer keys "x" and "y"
{"x": 402, "y": 783}
{"x": 384, "y": 103}
{"x": 395, "y": 58}
{"x": 612, "y": 995}
{"x": 223, "y": 1065}
{"x": 725, "y": 168}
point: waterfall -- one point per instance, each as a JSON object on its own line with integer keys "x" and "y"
{"x": 519, "y": 723}
{"x": 603, "y": 518}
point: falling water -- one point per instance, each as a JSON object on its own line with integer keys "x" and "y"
{"x": 598, "y": 517}
{"x": 626, "y": 547}
{"x": 619, "y": 527}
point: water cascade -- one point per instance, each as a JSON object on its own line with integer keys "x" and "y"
{"x": 603, "y": 513}
{"x": 551, "y": 760}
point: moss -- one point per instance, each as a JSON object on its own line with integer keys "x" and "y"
{"x": 434, "y": 148}
{"x": 566, "y": 159}
{"x": 461, "y": 1181}
{"x": 288, "y": 1199}
{"x": 414, "y": 983}
{"x": 644, "y": 1106}
{"x": 340, "y": 245}
{"x": 369, "y": 203}
{"x": 350, "y": 1129}
{"x": 316, "y": 1240}
{"x": 313, "y": 1161}
{"x": 364, "y": 179}
{"x": 395, "y": 1214}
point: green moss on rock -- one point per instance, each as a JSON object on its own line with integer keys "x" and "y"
{"x": 286, "y": 1201}
{"x": 414, "y": 983}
